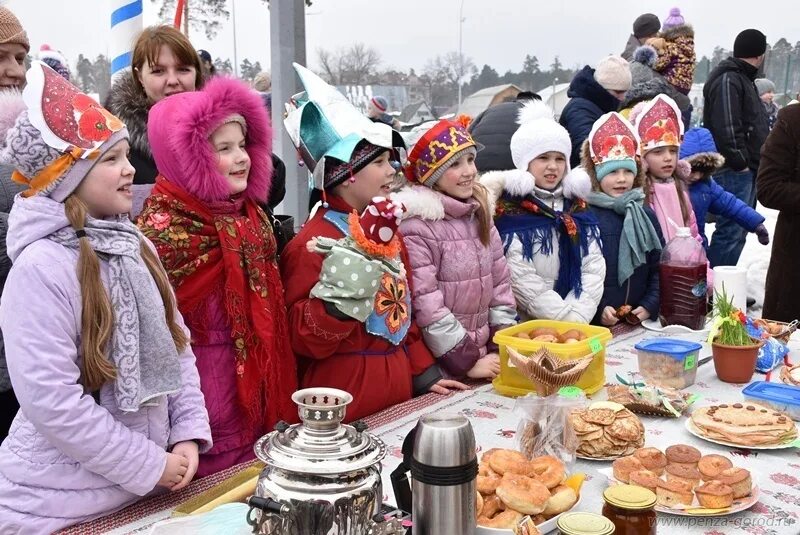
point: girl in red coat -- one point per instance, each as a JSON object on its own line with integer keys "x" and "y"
{"x": 213, "y": 152}
{"x": 383, "y": 360}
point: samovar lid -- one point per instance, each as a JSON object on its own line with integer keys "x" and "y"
{"x": 320, "y": 444}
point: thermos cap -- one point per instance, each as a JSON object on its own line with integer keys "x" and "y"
{"x": 444, "y": 440}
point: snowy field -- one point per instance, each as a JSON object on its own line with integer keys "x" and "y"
{"x": 755, "y": 257}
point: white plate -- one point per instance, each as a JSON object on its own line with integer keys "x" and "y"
{"x": 655, "y": 325}
{"x": 599, "y": 458}
{"x": 544, "y": 527}
{"x": 696, "y": 432}
{"x": 738, "y": 505}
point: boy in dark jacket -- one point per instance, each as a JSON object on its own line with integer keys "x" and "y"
{"x": 700, "y": 152}
{"x": 630, "y": 233}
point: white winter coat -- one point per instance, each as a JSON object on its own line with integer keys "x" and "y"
{"x": 533, "y": 281}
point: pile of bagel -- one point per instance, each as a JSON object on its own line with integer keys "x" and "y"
{"x": 550, "y": 335}
{"x": 511, "y": 487}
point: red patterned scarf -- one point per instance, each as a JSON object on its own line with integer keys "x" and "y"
{"x": 199, "y": 249}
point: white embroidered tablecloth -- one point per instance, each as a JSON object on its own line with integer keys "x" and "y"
{"x": 777, "y": 472}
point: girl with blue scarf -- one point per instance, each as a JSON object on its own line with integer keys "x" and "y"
{"x": 550, "y": 238}
{"x": 630, "y": 233}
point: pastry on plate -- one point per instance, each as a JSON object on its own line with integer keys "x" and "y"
{"x": 673, "y": 494}
{"x": 710, "y": 466}
{"x": 652, "y": 459}
{"x": 685, "y": 474}
{"x": 745, "y": 424}
{"x": 606, "y": 429}
{"x": 623, "y": 467}
{"x": 738, "y": 479}
{"x": 683, "y": 454}
{"x": 714, "y": 495}
{"x": 645, "y": 478}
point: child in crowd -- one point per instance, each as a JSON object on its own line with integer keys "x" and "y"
{"x": 383, "y": 360}
{"x": 676, "y": 54}
{"x": 212, "y": 148}
{"x": 700, "y": 151}
{"x": 630, "y": 234}
{"x": 462, "y": 286}
{"x": 110, "y": 404}
{"x": 550, "y": 238}
{"x": 660, "y": 130}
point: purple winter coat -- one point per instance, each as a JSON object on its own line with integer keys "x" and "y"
{"x": 462, "y": 289}
{"x": 69, "y": 458}
{"x": 216, "y": 357}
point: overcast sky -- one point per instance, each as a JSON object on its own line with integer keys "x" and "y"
{"x": 408, "y": 32}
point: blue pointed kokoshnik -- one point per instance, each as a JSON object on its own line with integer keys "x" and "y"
{"x": 535, "y": 224}
{"x": 322, "y": 123}
{"x": 377, "y": 324}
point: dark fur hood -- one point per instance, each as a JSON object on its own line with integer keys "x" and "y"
{"x": 645, "y": 91}
{"x": 676, "y": 32}
{"x": 590, "y": 168}
{"x": 583, "y": 85}
{"x": 130, "y": 104}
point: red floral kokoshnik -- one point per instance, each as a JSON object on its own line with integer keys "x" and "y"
{"x": 198, "y": 249}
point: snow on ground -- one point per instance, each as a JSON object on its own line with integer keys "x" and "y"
{"x": 755, "y": 257}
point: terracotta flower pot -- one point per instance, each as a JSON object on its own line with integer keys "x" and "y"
{"x": 735, "y": 364}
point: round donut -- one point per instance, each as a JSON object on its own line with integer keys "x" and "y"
{"x": 562, "y": 499}
{"x": 491, "y": 506}
{"x": 502, "y": 461}
{"x": 487, "y": 480}
{"x": 488, "y": 454}
{"x": 478, "y": 505}
{"x": 505, "y": 520}
{"x": 523, "y": 494}
{"x": 547, "y": 470}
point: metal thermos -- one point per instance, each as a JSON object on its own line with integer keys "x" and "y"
{"x": 443, "y": 469}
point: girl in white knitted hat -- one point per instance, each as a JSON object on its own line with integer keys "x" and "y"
{"x": 551, "y": 240}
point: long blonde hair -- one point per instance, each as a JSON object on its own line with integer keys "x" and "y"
{"x": 97, "y": 314}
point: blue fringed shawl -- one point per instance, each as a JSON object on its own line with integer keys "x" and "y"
{"x": 535, "y": 224}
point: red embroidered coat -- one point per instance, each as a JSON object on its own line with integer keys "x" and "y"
{"x": 340, "y": 353}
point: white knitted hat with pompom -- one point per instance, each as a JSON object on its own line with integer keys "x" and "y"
{"x": 538, "y": 133}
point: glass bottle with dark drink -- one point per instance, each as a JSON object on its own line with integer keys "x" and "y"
{"x": 682, "y": 277}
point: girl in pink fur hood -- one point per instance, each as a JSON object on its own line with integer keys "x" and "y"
{"x": 213, "y": 152}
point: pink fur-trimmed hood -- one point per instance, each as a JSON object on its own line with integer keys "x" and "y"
{"x": 179, "y": 128}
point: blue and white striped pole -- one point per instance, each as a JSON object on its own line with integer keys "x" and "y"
{"x": 126, "y": 25}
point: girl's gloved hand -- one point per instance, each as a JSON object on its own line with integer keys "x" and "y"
{"x": 763, "y": 234}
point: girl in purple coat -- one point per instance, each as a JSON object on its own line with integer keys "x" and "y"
{"x": 462, "y": 285}
{"x": 110, "y": 403}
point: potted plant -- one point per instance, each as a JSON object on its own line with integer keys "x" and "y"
{"x": 734, "y": 351}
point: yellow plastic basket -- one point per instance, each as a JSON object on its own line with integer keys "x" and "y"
{"x": 511, "y": 382}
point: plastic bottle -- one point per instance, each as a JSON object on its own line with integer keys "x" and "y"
{"x": 682, "y": 275}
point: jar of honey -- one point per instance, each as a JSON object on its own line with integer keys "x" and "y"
{"x": 631, "y": 509}
{"x": 584, "y": 524}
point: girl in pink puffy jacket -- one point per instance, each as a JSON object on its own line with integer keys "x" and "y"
{"x": 462, "y": 286}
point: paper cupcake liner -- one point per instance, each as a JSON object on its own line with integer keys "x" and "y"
{"x": 548, "y": 372}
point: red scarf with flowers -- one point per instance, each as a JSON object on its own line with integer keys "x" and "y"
{"x": 198, "y": 250}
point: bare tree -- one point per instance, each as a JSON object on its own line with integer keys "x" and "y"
{"x": 443, "y": 74}
{"x": 206, "y": 15}
{"x": 361, "y": 62}
{"x": 332, "y": 65}
{"x": 354, "y": 65}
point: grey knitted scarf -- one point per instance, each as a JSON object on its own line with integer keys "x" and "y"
{"x": 141, "y": 348}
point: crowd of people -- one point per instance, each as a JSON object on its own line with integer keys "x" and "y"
{"x": 154, "y": 326}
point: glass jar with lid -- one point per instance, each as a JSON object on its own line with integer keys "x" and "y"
{"x": 584, "y": 524}
{"x": 631, "y": 509}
